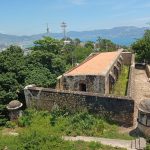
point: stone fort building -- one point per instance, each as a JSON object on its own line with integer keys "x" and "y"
{"x": 97, "y": 74}
{"x": 87, "y": 86}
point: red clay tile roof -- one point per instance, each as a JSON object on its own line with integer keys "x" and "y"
{"x": 97, "y": 65}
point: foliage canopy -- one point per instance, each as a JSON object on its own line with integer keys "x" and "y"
{"x": 142, "y": 48}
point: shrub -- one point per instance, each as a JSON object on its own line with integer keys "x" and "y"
{"x": 84, "y": 124}
{"x": 3, "y": 121}
{"x": 10, "y": 124}
{"x": 24, "y": 121}
{"x": 3, "y": 117}
{"x": 83, "y": 120}
{"x": 41, "y": 141}
{"x": 147, "y": 147}
{"x": 56, "y": 113}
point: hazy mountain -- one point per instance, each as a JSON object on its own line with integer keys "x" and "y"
{"x": 125, "y": 35}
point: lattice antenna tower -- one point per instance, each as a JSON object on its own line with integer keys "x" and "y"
{"x": 47, "y": 30}
{"x": 63, "y": 26}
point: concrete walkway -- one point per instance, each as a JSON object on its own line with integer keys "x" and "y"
{"x": 128, "y": 144}
{"x": 141, "y": 89}
{"x": 142, "y": 86}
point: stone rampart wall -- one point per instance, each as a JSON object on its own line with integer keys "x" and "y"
{"x": 118, "y": 109}
{"x": 131, "y": 80}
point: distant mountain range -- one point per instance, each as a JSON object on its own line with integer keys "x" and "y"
{"x": 124, "y": 35}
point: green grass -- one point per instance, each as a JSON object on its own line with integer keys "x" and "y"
{"x": 43, "y": 131}
{"x": 147, "y": 147}
{"x": 121, "y": 84}
{"x": 34, "y": 141}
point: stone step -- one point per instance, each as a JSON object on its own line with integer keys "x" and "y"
{"x": 138, "y": 144}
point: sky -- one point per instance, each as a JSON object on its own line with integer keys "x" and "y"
{"x": 27, "y": 17}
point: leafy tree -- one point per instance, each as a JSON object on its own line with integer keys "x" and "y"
{"x": 12, "y": 64}
{"x": 12, "y": 60}
{"x": 9, "y": 87}
{"x": 68, "y": 53}
{"x": 142, "y": 48}
{"x": 55, "y": 63}
{"x": 81, "y": 53}
{"x": 68, "y": 48}
{"x": 48, "y": 53}
{"x": 41, "y": 76}
{"x": 76, "y": 42}
{"x": 3, "y": 117}
{"x": 89, "y": 44}
{"x": 106, "y": 45}
{"x": 48, "y": 44}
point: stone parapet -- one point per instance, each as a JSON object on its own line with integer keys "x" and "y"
{"x": 131, "y": 80}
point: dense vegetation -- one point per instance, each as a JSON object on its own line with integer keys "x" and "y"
{"x": 121, "y": 85}
{"x": 142, "y": 48}
{"x": 41, "y": 130}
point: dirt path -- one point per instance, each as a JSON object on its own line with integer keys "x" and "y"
{"x": 112, "y": 142}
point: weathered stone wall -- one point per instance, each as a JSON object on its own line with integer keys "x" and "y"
{"x": 131, "y": 80}
{"x": 93, "y": 83}
{"x": 107, "y": 90}
{"x": 148, "y": 70}
{"x": 120, "y": 110}
{"x": 127, "y": 57}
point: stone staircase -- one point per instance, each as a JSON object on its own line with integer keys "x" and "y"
{"x": 138, "y": 144}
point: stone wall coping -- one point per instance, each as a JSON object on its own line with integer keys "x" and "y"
{"x": 127, "y": 52}
{"x": 79, "y": 93}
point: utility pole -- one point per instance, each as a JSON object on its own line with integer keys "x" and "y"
{"x": 63, "y": 26}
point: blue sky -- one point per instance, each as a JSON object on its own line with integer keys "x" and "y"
{"x": 26, "y": 17}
